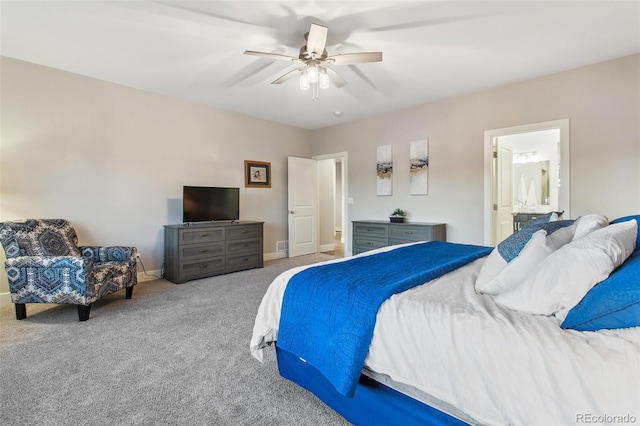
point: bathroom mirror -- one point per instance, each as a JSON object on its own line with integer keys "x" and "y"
{"x": 531, "y": 185}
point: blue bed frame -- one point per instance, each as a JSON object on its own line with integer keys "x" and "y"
{"x": 372, "y": 404}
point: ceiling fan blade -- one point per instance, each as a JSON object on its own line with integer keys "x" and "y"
{"x": 355, "y": 58}
{"x": 317, "y": 39}
{"x": 271, "y": 55}
{"x": 286, "y": 76}
{"x": 335, "y": 78}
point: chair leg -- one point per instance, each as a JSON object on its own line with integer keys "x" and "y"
{"x": 129, "y": 292}
{"x": 83, "y": 312}
{"x": 21, "y": 311}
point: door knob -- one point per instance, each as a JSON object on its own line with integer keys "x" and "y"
{"x": 291, "y": 211}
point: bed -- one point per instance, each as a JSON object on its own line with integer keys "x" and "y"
{"x": 543, "y": 329}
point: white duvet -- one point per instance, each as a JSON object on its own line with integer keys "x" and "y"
{"x": 495, "y": 365}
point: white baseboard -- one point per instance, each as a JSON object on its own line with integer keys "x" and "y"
{"x": 149, "y": 276}
{"x": 327, "y": 247}
{"x": 5, "y": 299}
{"x": 275, "y": 255}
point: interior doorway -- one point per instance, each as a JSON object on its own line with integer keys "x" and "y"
{"x": 526, "y": 171}
{"x": 332, "y": 206}
{"x": 317, "y": 208}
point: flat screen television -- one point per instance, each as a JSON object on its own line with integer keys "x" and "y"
{"x": 206, "y": 203}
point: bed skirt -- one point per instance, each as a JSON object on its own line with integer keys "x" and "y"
{"x": 372, "y": 404}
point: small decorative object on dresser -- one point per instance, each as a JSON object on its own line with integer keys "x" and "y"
{"x": 373, "y": 234}
{"x": 397, "y": 216}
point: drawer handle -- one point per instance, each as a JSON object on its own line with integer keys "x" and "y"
{"x": 204, "y": 250}
{"x": 245, "y": 232}
{"x": 245, "y": 259}
{"x": 245, "y": 245}
{"x": 203, "y": 235}
{"x": 203, "y": 266}
{"x": 369, "y": 229}
{"x": 408, "y": 232}
{"x": 369, "y": 244}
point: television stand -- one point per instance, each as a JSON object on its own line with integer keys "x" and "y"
{"x": 199, "y": 250}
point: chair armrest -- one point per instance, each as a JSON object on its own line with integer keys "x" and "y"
{"x": 48, "y": 262}
{"x": 90, "y": 252}
{"x": 109, "y": 253}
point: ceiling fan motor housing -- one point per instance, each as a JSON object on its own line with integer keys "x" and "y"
{"x": 306, "y": 56}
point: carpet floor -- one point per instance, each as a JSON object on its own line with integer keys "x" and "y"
{"x": 172, "y": 355}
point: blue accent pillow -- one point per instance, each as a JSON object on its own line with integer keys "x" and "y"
{"x": 613, "y": 303}
{"x": 514, "y": 243}
{"x": 538, "y": 220}
{"x": 626, "y": 218}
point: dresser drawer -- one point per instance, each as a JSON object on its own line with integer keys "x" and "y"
{"x": 243, "y": 246}
{"x": 371, "y": 230}
{"x": 201, "y": 268}
{"x": 408, "y": 233}
{"x": 244, "y": 261}
{"x": 239, "y": 232}
{"x": 200, "y": 251}
{"x": 371, "y": 234}
{"x": 194, "y": 236}
{"x": 368, "y": 243}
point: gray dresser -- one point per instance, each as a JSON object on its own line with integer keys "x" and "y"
{"x": 373, "y": 234}
{"x": 203, "y": 250}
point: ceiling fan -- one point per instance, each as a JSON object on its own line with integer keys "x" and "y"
{"x": 314, "y": 71}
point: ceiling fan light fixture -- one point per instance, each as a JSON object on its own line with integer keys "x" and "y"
{"x": 312, "y": 72}
{"x": 323, "y": 79}
{"x": 304, "y": 80}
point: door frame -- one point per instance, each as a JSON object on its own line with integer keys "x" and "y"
{"x": 564, "y": 192}
{"x": 346, "y": 229}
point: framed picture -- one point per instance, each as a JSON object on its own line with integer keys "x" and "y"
{"x": 257, "y": 174}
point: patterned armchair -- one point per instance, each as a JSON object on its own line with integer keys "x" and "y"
{"x": 45, "y": 265}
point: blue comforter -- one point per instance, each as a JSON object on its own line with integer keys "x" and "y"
{"x": 329, "y": 311}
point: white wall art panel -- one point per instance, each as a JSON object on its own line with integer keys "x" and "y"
{"x": 419, "y": 167}
{"x": 384, "y": 177}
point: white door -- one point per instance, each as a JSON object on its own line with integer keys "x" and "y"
{"x": 302, "y": 206}
{"x": 504, "y": 190}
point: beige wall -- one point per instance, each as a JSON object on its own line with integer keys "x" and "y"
{"x": 601, "y": 101}
{"x": 113, "y": 160}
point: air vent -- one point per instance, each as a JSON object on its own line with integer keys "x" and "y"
{"x": 282, "y": 245}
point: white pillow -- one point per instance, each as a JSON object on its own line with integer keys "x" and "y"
{"x": 564, "y": 277}
{"x": 493, "y": 278}
{"x": 501, "y": 270}
{"x": 589, "y": 223}
{"x": 535, "y": 251}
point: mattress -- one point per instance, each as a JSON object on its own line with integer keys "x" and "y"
{"x": 460, "y": 352}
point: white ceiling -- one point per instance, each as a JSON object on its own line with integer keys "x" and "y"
{"x": 431, "y": 49}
